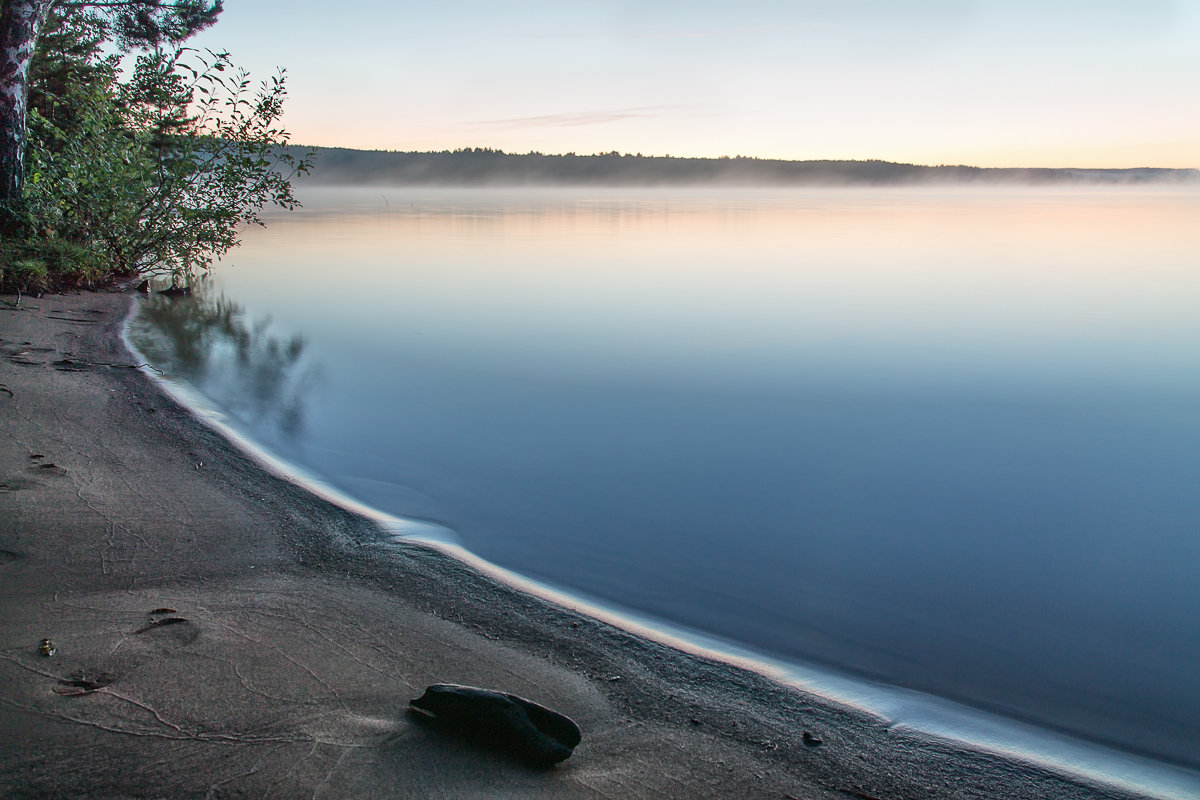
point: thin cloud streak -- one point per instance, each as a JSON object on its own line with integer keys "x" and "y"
{"x": 987, "y": 82}
{"x": 575, "y": 119}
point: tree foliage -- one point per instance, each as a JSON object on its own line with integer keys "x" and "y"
{"x": 130, "y": 23}
{"x": 154, "y": 22}
{"x": 149, "y": 170}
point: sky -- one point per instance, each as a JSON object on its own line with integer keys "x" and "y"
{"x": 1038, "y": 83}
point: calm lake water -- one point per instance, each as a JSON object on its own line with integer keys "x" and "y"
{"x": 945, "y": 439}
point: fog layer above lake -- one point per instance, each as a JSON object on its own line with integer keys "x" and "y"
{"x": 947, "y": 439}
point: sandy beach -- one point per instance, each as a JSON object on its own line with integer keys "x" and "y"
{"x": 306, "y": 630}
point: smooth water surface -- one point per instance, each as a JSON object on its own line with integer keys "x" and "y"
{"x": 947, "y": 439}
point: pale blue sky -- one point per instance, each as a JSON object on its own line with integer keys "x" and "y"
{"x": 1021, "y": 82}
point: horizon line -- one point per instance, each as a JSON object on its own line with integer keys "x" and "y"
{"x": 615, "y": 153}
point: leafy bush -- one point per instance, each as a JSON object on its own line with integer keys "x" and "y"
{"x": 151, "y": 175}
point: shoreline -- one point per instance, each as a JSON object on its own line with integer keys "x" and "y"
{"x": 1023, "y": 738}
{"x": 309, "y": 628}
{"x": 924, "y": 714}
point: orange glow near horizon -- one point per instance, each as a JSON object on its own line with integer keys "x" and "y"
{"x": 1020, "y": 83}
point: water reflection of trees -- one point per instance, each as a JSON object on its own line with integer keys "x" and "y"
{"x": 256, "y": 374}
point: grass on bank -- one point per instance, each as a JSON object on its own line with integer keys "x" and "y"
{"x": 29, "y": 266}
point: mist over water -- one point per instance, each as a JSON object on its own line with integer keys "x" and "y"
{"x": 948, "y": 439}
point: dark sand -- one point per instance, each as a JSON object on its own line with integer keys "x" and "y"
{"x": 308, "y": 630}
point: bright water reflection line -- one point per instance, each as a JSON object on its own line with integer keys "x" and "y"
{"x": 947, "y": 440}
{"x": 902, "y": 709}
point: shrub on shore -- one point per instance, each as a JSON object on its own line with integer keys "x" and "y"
{"x": 148, "y": 171}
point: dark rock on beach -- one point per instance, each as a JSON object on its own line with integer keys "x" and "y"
{"x": 532, "y": 732}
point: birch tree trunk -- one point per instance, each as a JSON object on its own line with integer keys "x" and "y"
{"x": 20, "y": 23}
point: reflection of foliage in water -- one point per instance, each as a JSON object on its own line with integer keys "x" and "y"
{"x": 259, "y": 377}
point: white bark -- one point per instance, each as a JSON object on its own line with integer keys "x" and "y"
{"x": 20, "y": 23}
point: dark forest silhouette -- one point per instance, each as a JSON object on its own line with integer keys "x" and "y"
{"x": 473, "y": 166}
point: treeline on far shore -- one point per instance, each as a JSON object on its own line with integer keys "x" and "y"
{"x": 477, "y": 166}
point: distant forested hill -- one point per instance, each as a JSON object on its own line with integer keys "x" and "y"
{"x": 339, "y": 166}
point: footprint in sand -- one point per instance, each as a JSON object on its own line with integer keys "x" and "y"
{"x": 163, "y": 633}
{"x": 15, "y": 484}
